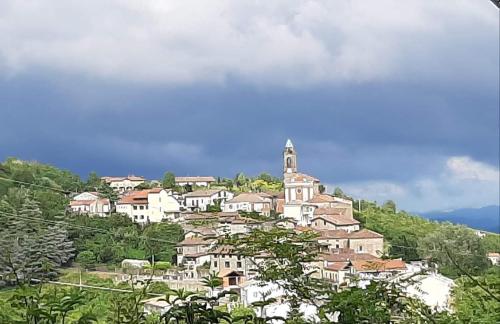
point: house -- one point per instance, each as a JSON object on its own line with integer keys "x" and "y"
{"x": 150, "y": 205}
{"x": 224, "y": 258}
{"x": 199, "y": 200}
{"x": 123, "y": 184}
{"x": 366, "y": 241}
{"x": 192, "y": 253}
{"x": 90, "y": 203}
{"x": 494, "y": 258}
{"x": 332, "y": 219}
{"x": 231, "y": 279}
{"x": 334, "y": 239}
{"x": 194, "y": 181}
{"x": 237, "y": 225}
{"x": 250, "y": 202}
{"x": 377, "y": 269}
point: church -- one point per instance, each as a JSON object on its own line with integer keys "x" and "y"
{"x": 306, "y": 205}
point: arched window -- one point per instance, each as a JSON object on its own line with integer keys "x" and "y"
{"x": 289, "y": 162}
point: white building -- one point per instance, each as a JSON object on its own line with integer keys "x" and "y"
{"x": 494, "y": 258}
{"x": 123, "y": 184}
{"x": 250, "y": 202}
{"x": 200, "y": 199}
{"x": 90, "y": 203}
{"x": 151, "y": 205}
{"x": 194, "y": 181}
{"x": 433, "y": 289}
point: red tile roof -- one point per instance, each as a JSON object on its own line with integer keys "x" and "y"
{"x": 195, "y": 241}
{"x": 81, "y": 202}
{"x": 333, "y": 234}
{"x": 336, "y": 266}
{"x": 378, "y": 265}
{"x": 337, "y": 219}
{"x": 194, "y": 179}
{"x": 349, "y": 256}
{"x": 364, "y": 234}
{"x": 299, "y": 177}
{"x": 321, "y": 198}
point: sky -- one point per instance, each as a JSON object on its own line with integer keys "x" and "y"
{"x": 388, "y": 99}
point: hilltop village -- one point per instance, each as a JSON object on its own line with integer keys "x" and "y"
{"x": 207, "y": 214}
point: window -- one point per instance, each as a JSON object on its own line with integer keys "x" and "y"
{"x": 227, "y": 264}
{"x": 239, "y": 257}
{"x": 215, "y": 264}
{"x": 324, "y": 222}
{"x": 135, "y": 217}
{"x": 337, "y": 246}
{"x": 141, "y": 207}
{"x": 238, "y": 264}
{"x": 146, "y": 207}
{"x": 142, "y": 217}
{"x": 135, "y": 207}
{"x": 360, "y": 248}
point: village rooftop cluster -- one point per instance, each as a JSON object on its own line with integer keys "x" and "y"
{"x": 347, "y": 250}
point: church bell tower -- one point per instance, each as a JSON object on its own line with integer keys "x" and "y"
{"x": 289, "y": 158}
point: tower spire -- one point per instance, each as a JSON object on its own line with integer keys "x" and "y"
{"x": 289, "y": 158}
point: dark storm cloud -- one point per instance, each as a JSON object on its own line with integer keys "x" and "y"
{"x": 357, "y": 132}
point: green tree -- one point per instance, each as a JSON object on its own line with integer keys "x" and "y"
{"x": 452, "y": 244}
{"x": 168, "y": 181}
{"x": 86, "y": 259}
{"x": 160, "y": 239}
{"x": 389, "y": 206}
{"x": 93, "y": 182}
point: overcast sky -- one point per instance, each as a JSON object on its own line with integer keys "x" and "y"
{"x": 387, "y": 99}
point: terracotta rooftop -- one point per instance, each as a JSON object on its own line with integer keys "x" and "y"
{"x": 115, "y": 179}
{"x": 81, "y": 202}
{"x": 365, "y": 234}
{"x": 378, "y": 265}
{"x": 138, "y": 196}
{"x": 203, "y": 193}
{"x": 322, "y": 198}
{"x": 299, "y": 177}
{"x": 346, "y": 256}
{"x": 248, "y": 197}
{"x": 194, "y": 179}
{"x": 333, "y": 234}
{"x": 195, "y": 241}
{"x": 337, "y": 219}
{"x": 330, "y": 211}
{"x": 336, "y": 266}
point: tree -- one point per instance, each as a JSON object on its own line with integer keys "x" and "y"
{"x": 212, "y": 281}
{"x": 337, "y": 192}
{"x": 168, "y": 181}
{"x": 160, "y": 240}
{"x": 30, "y": 248}
{"x": 322, "y": 189}
{"x": 389, "y": 206}
{"x": 93, "y": 181}
{"x": 452, "y": 244}
{"x": 86, "y": 259}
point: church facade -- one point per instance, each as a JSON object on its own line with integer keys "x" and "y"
{"x": 302, "y": 193}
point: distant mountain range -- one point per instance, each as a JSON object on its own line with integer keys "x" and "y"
{"x": 484, "y": 218}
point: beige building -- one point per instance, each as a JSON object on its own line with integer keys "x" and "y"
{"x": 151, "y": 205}
{"x": 193, "y": 252}
{"x": 123, "y": 184}
{"x": 250, "y": 202}
{"x": 90, "y": 203}
{"x": 366, "y": 241}
{"x": 199, "y": 200}
{"x": 194, "y": 181}
{"x": 333, "y": 219}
